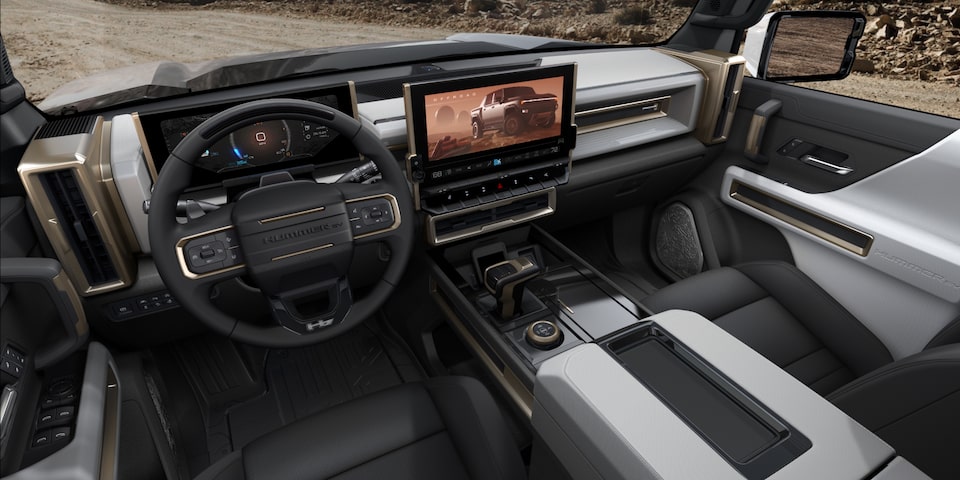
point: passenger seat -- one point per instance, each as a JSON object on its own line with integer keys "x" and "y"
{"x": 912, "y": 403}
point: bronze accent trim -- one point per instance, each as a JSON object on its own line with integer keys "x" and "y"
{"x": 505, "y": 377}
{"x": 151, "y": 165}
{"x": 82, "y": 154}
{"x": 716, "y": 66}
{"x": 291, "y": 215}
{"x": 393, "y": 205}
{"x": 302, "y": 252}
{"x": 182, "y": 259}
{"x": 111, "y": 425}
{"x": 735, "y": 194}
{"x": 663, "y": 102}
{"x": 490, "y": 227}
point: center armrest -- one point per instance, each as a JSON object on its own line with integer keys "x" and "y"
{"x": 603, "y": 419}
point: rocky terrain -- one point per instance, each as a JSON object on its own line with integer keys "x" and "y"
{"x": 908, "y": 56}
{"x": 910, "y": 40}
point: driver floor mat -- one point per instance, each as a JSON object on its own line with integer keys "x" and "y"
{"x": 303, "y": 381}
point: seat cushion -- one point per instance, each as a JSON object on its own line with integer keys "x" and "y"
{"x": 443, "y": 428}
{"x": 914, "y": 405}
{"x": 786, "y": 317}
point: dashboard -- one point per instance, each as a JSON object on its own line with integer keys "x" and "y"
{"x": 609, "y": 104}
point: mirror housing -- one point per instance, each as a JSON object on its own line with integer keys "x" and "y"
{"x": 803, "y": 46}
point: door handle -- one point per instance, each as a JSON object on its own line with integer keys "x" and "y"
{"x": 824, "y": 165}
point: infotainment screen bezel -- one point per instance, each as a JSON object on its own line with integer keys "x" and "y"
{"x": 157, "y": 150}
{"x": 474, "y": 164}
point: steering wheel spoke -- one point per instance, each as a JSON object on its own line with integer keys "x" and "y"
{"x": 373, "y": 213}
{"x": 208, "y": 249}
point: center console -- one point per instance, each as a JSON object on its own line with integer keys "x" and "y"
{"x": 614, "y": 392}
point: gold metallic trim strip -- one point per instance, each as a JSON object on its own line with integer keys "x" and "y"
{"x": 151, "y": 165}
{"x": 716, "y": 66}
{"x": 862, "y": 251}
{"x": 506, "y": 378}
{"x": 302, "y": 252}
{"x": 291, "y": 215}
{"x": 111, "y": 424}
{"x": 182, "y": 259}
{"x": 621, "y": 106}
{"x": 81, "y": 154}
{"x": 393, "y": 205}
{"x": 432, "y": 237}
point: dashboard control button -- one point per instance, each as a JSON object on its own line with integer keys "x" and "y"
{"x": 46, "y": 418}
{"x": 59, "y": 434}
{"x": 41, "y": 439}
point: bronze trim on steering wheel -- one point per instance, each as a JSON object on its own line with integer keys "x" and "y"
{"x": 182, "y": 259}
{"x": 291, "y": 215}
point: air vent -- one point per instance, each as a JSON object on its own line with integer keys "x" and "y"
{"x": 7, "y": 70}
{"x": 76, "y": 220}
{"x": 69, "y": 126}
{"x": 486, "y": 218}
{"x": 623, "y": 112}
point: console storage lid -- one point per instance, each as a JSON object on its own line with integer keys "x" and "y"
{"x": 610, "y": 425}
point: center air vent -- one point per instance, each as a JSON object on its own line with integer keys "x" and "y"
{"x": 489, "y": 217}
{"x": 81, "y": 232}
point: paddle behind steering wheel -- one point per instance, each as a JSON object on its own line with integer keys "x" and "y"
{"x": 293, "y": 239}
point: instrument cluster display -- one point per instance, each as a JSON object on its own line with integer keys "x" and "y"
{"x": 256, "y": 145}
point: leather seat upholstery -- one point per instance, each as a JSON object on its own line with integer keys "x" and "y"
{"x": 447, "y": 428}
{"x": 912, "y": 403}
{"x": 786, "y": 317}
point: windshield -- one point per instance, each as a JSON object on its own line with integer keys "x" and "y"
{"x": 54, "y": 42}
{"x": 908, "y": 56}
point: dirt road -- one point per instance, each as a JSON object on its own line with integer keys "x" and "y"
{"x": 52, "y": 42}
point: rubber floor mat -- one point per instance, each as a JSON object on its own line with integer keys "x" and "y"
{"x": 307, "y": 380}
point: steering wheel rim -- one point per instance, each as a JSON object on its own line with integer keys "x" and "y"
{"x": 168, "y": 238}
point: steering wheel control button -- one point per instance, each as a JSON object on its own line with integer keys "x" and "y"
{"x": 544, "y": 334}
{"x": 369, "y": 216}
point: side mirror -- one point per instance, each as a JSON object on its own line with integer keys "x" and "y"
{"x": 803, "y": 46}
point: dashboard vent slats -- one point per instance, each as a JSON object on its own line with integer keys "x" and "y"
{"x": 69, "y": 126}
{"x": 486, "y": 217}
{"x": 78, "y": 226}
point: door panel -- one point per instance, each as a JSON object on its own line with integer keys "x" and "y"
{"x": 884, "y": 240}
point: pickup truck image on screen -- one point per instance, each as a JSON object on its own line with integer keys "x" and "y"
{"x": 511, "y": 109}
{"x": 481, "y": 119}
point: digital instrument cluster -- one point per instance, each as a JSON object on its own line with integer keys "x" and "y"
{"x": 256, "y": 145}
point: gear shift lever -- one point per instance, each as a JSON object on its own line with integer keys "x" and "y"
{"x": 505, "y": 281}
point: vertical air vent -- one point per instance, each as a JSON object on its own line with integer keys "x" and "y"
{"x": 69, "y": 126}
{"x": 76, "y": 220}
{"x": 6, "y": 70}
{"x": 730, "y": 91}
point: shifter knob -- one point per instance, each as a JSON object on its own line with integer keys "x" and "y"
{"x": 505, "y": 281}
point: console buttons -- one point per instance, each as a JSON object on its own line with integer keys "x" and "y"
{"x": 41, "y": 439}
{"x": 54, "y": 401}
{"x": 60, "y": 434}
{"x": 544, "y": 334}
{"x": 10, "y": 367}
{"x": 46, "y": 418}
{"x": 64, "y": 415}
{"x": 11, "y": 353}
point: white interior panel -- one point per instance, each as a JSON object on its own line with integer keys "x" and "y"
{"x": 907, "y": 287}
{"x": 623, "y": 430}
{"x": 130, "y": 175}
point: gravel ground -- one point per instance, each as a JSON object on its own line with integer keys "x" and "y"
{"x": 52, "y": 42}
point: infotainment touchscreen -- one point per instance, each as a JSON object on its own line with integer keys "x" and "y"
{"x": 466, "y": 127}
{"x": 254, "y": 147}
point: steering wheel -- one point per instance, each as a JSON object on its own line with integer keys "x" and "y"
{"x": 293, "y": 239}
